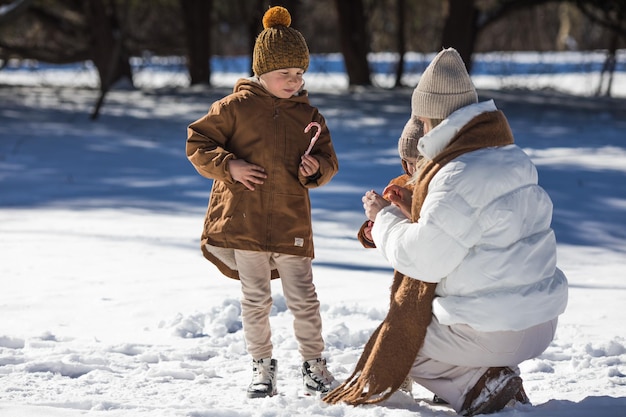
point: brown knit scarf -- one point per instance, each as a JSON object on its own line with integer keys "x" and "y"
{"x": 390, "y": 352}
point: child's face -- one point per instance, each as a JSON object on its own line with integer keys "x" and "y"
{"x": 427, "y": 125}
{"x": 283, "y": 83}
{"x": 410, "y": 166}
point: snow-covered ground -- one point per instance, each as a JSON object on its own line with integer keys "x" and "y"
{"x": 107, "y": 307}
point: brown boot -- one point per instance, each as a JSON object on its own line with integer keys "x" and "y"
{"x": 521, "y": 396}
{"x": 492, "y": 392}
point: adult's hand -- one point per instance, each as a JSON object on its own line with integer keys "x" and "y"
{"x": 400, "y": 197}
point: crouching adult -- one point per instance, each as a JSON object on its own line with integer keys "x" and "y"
{"x": 477, "y": 290}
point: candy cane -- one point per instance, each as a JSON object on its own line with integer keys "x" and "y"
{"x": 314, "y": 138}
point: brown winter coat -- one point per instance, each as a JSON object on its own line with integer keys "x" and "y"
{"x": 264, "y": 130}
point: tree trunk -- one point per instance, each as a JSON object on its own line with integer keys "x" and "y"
{"x": 255, "y": 26}
{"x": 400, "y": 41}
{"x": 608, "y": 69}
{"x": 460, "y": 29}
{"x": 109, "y": 55}
{"x": 354, "y": 41}
{"x": 197, "y": 19}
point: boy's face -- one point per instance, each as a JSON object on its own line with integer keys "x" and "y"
{"x": 283, "y": 83}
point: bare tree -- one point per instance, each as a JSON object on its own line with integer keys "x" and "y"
{"x": 10, "y": 12}
{"x": 197, "y": 18}
{"x": 400, "y": 40}
{"x": 109, "y": 54}
{"x": 354, "y": 41}
{"x": 611, "y": 15}
{"x": 460, "y": 29}
{"x": 108, "y": 32}
{"x": 608, "y": 13}
{"x": 465, "y": 21}
{"x": 72, "y": 31}
{"x": 255, "y": 25}
{"x": 48, "y": 32}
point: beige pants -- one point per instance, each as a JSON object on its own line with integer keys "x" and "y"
{"x": 453, "y": 358}
{"x": 297, "y": 281}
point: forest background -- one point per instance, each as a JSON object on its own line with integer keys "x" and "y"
{"x": 108, "y": 33}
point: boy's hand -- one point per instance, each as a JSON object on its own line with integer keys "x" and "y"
{"x": 309, "y": 166}
{"x": 246, "y": 173}
{"x": 372, "y": 204}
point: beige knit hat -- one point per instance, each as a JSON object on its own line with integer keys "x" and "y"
{"x": 407, "y": 144}
{"x": 445, "y": 86}
{"x": 279, "y": 46}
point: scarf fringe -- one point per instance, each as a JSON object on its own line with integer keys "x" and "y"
{"x": 390, "y": 351}
{"x": 355, "y": 391}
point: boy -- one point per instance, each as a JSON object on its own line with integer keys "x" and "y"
{"x": 253, "y": 145}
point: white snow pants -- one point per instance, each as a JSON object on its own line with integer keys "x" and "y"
{"x": 296, "y": 276}
{"x": 453, "y": 358}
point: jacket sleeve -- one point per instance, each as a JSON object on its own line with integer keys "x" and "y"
{"x": 206, "y": 143}
{"x": 324, "y": 152}
{"x": 435, "y": 245}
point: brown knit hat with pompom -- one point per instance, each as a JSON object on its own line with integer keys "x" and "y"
{"x": 279, "y": 46}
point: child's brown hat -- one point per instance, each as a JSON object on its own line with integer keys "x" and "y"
{"x": 278, "y": 45}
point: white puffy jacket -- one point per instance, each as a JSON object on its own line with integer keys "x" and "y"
{"x": 483, "y": 235}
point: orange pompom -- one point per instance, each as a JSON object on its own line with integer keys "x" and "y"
{"x": 276, "y": 16}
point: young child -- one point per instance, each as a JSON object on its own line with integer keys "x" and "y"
{"x": 409, "y": 156}
{"x": 253, "y": 144}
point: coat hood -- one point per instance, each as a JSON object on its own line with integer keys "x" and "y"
{"x": 438, "y": 138}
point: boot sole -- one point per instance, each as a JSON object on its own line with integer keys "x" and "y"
{"x": 260, "y": 394}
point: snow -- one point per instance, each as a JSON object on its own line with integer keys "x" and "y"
{"x": 108, "y": 308}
